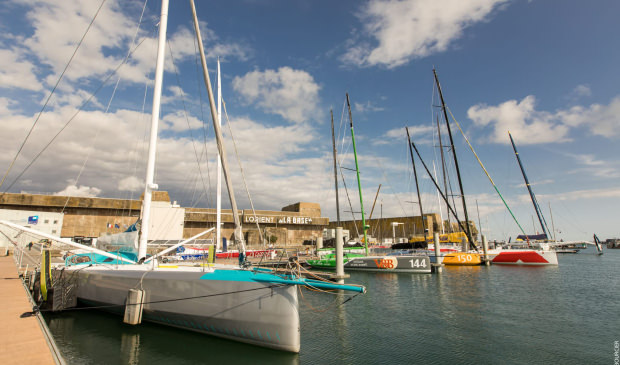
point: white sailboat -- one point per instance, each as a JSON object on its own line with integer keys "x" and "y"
{"x": 254, "y": 306}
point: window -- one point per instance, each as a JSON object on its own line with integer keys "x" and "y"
{"x": 55, "y": 221}
{"x": 53, "y": 231}
{"x": 46, "y": 221}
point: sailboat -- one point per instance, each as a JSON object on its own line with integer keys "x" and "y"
{"x": 449, "y": 255}
{"x": 363, "y": 261}
{"x": 255, "y": 306}
{"x": 536, "y": 253}
{"x": 599, "y": 246}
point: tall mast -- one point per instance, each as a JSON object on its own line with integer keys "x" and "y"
{"x": 443, "y": 170}
{"x": 415, "y": 175}
{"x": 238, "y": 236}
{"x": 150, "y": 166}
{"x": 541, "y": 219}
{"x": 439, "y": 190}
{"x": 439, "y": 202}
{"x": 218, "y": 229}
{"x": 335, "y": 170}
{"x": 359, "y": 183}
{"x": 456, "y": 162}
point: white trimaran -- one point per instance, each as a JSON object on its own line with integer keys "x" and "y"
{"x": 238, "y": 303}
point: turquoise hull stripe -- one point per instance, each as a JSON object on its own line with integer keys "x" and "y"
{"x": 251, "y": 276}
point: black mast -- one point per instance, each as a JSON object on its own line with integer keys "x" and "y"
{"x": 335, "y": 170}
{"x": 456, "y": 162}
{"x": 415, "y": 175}
{"x": 440, "y": 192}
{"x": 541, "y": 218}
{"x": 443, "y": 171}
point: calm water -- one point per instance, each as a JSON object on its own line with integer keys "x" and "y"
{"x": 568, "y": 314}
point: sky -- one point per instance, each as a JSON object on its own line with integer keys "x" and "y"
{"x": 76, "y": 87}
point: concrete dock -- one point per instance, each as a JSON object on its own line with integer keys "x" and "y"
{"x": 21, "y": 339}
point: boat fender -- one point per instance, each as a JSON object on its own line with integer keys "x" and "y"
{"x": 133, "y": 307}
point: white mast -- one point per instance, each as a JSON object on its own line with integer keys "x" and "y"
{"x": 439, "y": 201}
{"x": 150, "y": 167}
{"x": 218, "y": 232}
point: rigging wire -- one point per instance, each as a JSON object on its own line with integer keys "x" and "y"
{"x": 232, "y": 137}
{"x": 49, "y": 97}
{"x": 486, "y": 172}
{"x": 205, "y": 129}
{"x": 133, "y": 42}
{"x": 191, "y": 135}
{"x": 79, "y": 109}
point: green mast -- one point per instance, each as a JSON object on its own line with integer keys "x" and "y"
{"x": 359, "y": 184}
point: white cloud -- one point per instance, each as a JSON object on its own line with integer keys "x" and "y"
{"x": 367, "y": 107}
{"x": 17, "y": 71}
{"x": 5, "y": 106}
{"x": 583, "y": 194}
{"x": 179, "y": 122}
{"x": 58, "y": 27}
{"x": 292, "y": 94}
{"x": 398, "y": 135}
{"x": 130, "y": 183}
{"x": 527, "y": 125}
{"x": 534, "y": 183}
{"x": 581, "y": 90}
{"x": 588, "y": 160}
{"x": 602, "y": 120}
{"x": 595, "y": 167}
{"x": 404, "y": 30}
{"x": 83, "y": 191}
{"x": 531, "y": 126}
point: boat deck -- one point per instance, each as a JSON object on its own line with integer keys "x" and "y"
{"x": 21, "y": 339}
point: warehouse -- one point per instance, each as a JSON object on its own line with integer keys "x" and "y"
{"x": 85, "y": 218}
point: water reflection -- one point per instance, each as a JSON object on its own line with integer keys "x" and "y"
{"x": 94, "y": 337}
{"x": 130, "y": 348}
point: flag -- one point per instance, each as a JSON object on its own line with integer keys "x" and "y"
{"x": 116, "y": 225}
{"x": 109, "y": 225}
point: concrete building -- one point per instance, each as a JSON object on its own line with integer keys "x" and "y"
{"x": 383, "y": 230}
{"x": 82, "y": 218}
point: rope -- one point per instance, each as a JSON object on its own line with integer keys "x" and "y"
{"x": 37, "y": 309}
{"x": 486, "y": 172}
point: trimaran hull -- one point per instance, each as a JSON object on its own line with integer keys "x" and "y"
{"x": 394, "y": 264}
{"x": 224, "y": 303}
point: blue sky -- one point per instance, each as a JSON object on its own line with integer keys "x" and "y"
{"x": 545, "y": 70}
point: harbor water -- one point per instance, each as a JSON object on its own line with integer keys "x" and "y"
{"x": 566, "y": 314}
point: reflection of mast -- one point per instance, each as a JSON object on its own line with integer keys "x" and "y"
{"x": 541, "y": 218}
{"x": 456, "y": 162}
{"x": 335, "y": 170}
{"x": 415, "y": 176}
